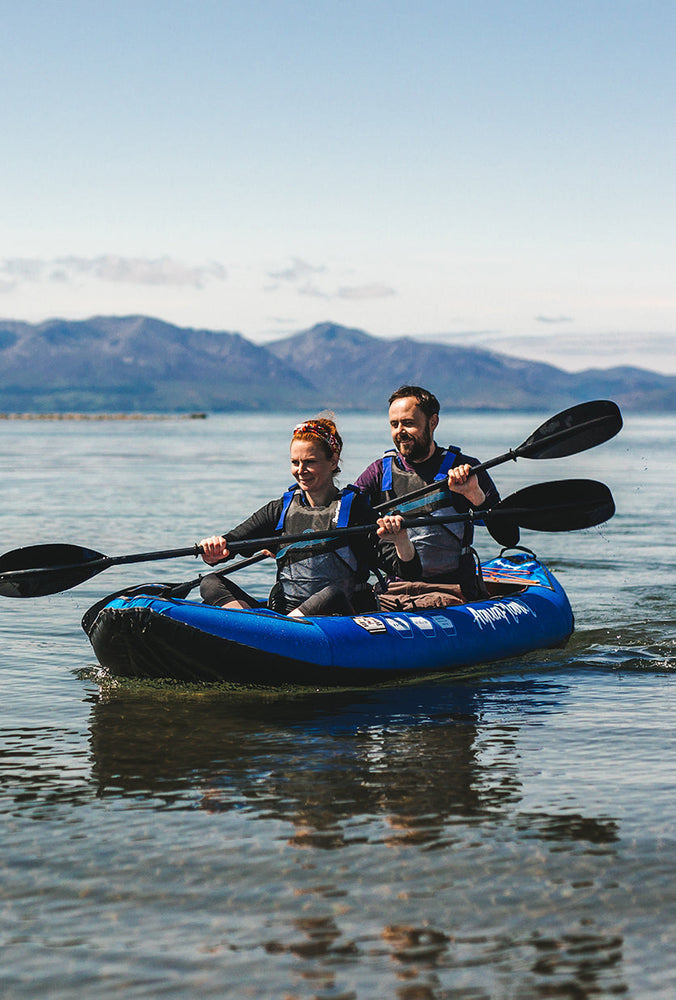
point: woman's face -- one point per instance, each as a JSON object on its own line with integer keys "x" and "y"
{"x": 310, "y": 467}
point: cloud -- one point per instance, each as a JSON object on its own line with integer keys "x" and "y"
{"x": 299, "y": 269}
{"x": 302, "y": 274}
{"x": 15, "y": 270}
{"x": 554, "y": 319}
{"x": 311, "y": 291}
{"x": 359, "y": 292}
{"x": 363, "y": 292}
{"x": 110, "y": 268}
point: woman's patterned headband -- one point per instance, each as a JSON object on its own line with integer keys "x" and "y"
{"x": 320, "y": 430}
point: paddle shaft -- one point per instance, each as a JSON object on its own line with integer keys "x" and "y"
{"x": 423, "y": 491}
{"x": 529, "y": 449}
{"x": 516, "y": 514}
{"x": 105, "y": 562}
{"x": 357, "y": 529}
{"x": 564, "y": 506}
{"x": 186, "y": 587}
{"x": 95, "y": 566}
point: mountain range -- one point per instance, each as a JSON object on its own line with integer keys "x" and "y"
{"x": 140, "y": 364}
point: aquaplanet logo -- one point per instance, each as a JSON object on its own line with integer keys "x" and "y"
{"x": 508, "y": 612}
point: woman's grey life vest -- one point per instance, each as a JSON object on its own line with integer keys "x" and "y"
{"x": 440, "y": 547}
{"x": 303, "y": 568}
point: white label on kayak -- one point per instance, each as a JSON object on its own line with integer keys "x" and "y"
{"x": 445, "y": 623}
{"x": 372, "y": 625}
{"x": 424, "y": 624}
{"x": 401, "y": 626}
{"x": 506, "y": 612}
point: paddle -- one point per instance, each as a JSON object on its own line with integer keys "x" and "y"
{"x": 573, "y": 430}
{"x": 38, "y": 570}
{"x": 565, "y": 505}
{"x": 169, "y": 590}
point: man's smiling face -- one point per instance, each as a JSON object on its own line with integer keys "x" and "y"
{"x": 412, "y": 432}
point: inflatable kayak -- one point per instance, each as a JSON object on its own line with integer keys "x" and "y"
{"x": 146, "y": 635}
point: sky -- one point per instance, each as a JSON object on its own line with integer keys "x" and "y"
{"x": 481, "y": 172}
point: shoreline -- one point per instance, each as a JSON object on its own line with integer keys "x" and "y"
{"x": 103, "y": 416}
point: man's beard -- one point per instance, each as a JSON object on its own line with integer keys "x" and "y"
{"x": 412, "y": 449}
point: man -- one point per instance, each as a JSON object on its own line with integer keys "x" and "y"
{"x": 416, "y": 461}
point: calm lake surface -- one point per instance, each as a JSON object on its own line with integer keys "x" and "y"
{"x": 509, "y": 834}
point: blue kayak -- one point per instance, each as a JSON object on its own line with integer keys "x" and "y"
{"x": 147, "y": 635}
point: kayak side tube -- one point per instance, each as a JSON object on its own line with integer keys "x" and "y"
{"x": 150, "y": 636}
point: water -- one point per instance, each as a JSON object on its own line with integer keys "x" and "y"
{"x": 510, "y": 834}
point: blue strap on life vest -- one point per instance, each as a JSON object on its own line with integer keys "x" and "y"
{"x": 447, "y": 462}
{"x": 347, "y": 495}
{"x": 286, "y": 500}
{"x": 450, "y": 455}
{"x": 387, "y": 470}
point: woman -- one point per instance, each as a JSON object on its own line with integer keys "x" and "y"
{"x": 326, "y": 576}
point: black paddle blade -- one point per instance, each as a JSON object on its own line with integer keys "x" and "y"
{"x": 504, "y": 531}
{"x": 571, "y": 431}
{"x": 566, "y": 505}
{"x": 39, "y": 570}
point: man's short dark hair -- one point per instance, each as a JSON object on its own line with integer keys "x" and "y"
{"x": 427, "y": 402}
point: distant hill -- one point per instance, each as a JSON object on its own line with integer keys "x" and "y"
{"x": 135, "y": 363}
{"x": 359, "y": 371}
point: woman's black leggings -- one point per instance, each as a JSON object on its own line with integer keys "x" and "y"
{"x": 219, "y": 590}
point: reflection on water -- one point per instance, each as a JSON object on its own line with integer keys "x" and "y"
{"x": 462, "y": 897}
{"x": 315, "y": 764}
